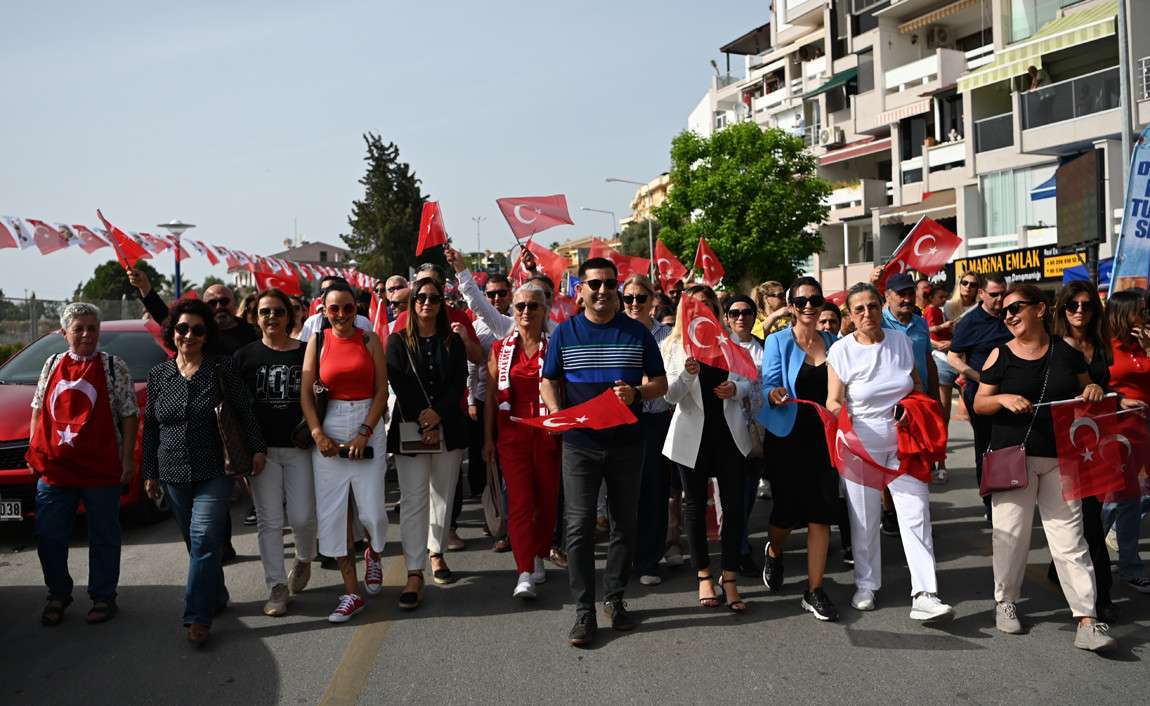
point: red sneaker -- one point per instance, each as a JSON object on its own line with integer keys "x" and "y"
{"x": 372, "y": 573}
{"x": 348, "y": 606}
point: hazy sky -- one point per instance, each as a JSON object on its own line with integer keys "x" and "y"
{"x": 242, "y": 116}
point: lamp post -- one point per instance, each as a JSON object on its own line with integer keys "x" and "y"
{"x": 176, "y": 227}
{"x": 650, "y": 228}
{"x": 614, "y": 223}
{"x": 478, "y": 220}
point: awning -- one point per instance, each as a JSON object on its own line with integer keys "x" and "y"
{"x": 937, "y": 204}
{"x": 891, "y": 117}
{"x": 757, "y": 41}
{"x": 1062, "y": 33}
{"x": 1045, "y": 190}
{"x": 933, "y": 17}
{"x": 855, "y": 149}
{"x": 839, "y": 79}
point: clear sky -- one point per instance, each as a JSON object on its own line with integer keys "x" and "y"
{"x": 242, "y": 116}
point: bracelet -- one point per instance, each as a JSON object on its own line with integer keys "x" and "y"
{"x": 365, "y": 430}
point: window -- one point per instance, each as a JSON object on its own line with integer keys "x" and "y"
{"x": 1009, "y": 202}
{"x": 866, "y": 71}
{"x": 950, "y": 115}
{"x": 323, "y": 255}
{"x": 862, "y": 15}
{"x": 1028, "y": 16}
{"x": 976, "y": 40}
{"x": 912, "y": 132}
{"x": 839, "y": 98}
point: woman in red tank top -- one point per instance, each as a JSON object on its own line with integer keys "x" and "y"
{"x": 528, "y": 457}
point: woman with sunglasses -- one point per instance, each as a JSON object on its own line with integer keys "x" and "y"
{"x": 1036, "y": 367}
{"x": 708, "y": 439}
{"x": 964, "y": 298}
{"x": 272, "y": 370}
{"x": 427, "y": 366}
{"x": 741, "y": 313}
{"x": 182, "y": 450}
{"x": 348, "y": 458}
{"x": 299, "y": 313}
{"x": 528, "y": 457}
{"x": 795, "y": 368}
{"x": 870, "y": 372}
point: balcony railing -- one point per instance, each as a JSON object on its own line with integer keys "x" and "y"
{"x": 916, "y": 73}
{"x": 1144, "y": 78}
{"x": 769, "y": 100}
{"x": 1070, "y": 99}
{"x": 994, "y": 133}
{"x": 814, "y": 67}
{"x": 979, "y": 57}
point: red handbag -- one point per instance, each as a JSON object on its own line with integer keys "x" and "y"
{"x": 1005, "y": 468}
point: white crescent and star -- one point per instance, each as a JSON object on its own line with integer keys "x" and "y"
{"x": 560, "y": 422}
{"x": 664, "y": 265}
{"x": 918, "y": 245}
{"x": 1120, "y": 439}
{"x": 705, "y": 265}
{"x": 693, "y": 326}
{"x": 1087, "y": 453}
{"x": 519, "y": 215}
{"x": 66, "y": 436}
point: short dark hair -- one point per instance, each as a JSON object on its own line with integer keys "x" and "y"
{"x": 831, "y": 306}
{"x": 737, "y": 299}
{"x": 861, "y": 288}
{"x": 340, "y": 286}
{"x": 597, "y": 263}
{"x": 331, "y": 279}
{"x": 285, "y": 299}
{"x": 995, "y": 277}
{"x": 498, "y": 278}
{"x": 803, "y": 282}
{"x": 194, "y": 307}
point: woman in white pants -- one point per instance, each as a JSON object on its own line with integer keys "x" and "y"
{"x": 870, "y": 371}
{"x": 427, "y": 366}
{"x": 348, "y": 457}
{"x": 272, "y": 370}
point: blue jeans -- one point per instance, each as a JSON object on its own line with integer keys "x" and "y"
{"x": 654, "y": 489}
{"x": 201, "y": 511}
{"x": 55, "y": 515}
{"x": 1125, "y": 518}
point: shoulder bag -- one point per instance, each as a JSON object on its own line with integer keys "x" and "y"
{"x": 1005, "y": 468}
{"x": 237, "y": 455}
{"x": 410, "y": 435}
{"x": 301, "y": 435}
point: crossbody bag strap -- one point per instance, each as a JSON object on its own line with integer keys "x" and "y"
{"x": 1041, "y": 395}
{"x": 418, "y": 380}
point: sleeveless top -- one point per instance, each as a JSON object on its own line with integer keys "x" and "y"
{"x": 346, "y": 367}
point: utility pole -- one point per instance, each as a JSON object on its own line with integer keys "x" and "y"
{"x": 478, "y": 220}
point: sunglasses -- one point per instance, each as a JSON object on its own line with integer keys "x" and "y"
{"x": 197, "y": 331}
{"x": 969, "y": 283}
{"x": 814, "y": 302}
{"x": 1086, "y": 307}
{"x": 1015, "y": 308}
{"x": 740, "y": 313}
{"x": 595, "y": 284}
{"x": 776, "y": 295}
{"x": 221, "y": 303}
{"x": 633, "y": 298}
{"x": 272, "y": 312}
{"x": 526, "y": 306}
{"x": 336, "y": 310}
{"x": 497, "y": 293}
{"x": 996, "y": 295}
{"x": 423, "y": 298}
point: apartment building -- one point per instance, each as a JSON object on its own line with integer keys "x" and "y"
{"x": 972, "y": 112}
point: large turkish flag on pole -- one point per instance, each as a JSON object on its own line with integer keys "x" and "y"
{"x": 431, "y": 230}
{"x": 707, "y": 263}
{"x": 926, "y": 248}
{"x": 601, "y": 412}
{"x": 528, "y": 215}
{"x": 705, "y": 340}
{"x": 128, "y": 251}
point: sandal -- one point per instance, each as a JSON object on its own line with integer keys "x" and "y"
{"x": 54, "y": 611}
{"x": 736, "y": 605}
{"x": 714, "y": 601}
{"x": 409, "y": 600}
{"x": 441, "y": 576}
{"x": 102, "y": 611}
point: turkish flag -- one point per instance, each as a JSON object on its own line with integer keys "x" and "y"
{"x": 528, "y": 215}
{"x": 707, "y": 263}
{"x": 128, "y": 251}
{"x": 174, "y": 242}
{"x": 204, "y": 250}
{"x": 1085, "y": 434}
{"x": 563, "y": 307}
{"x": 15, "y": 233}
{"x": 842, "y": 442}
{"x": 286, "y": 282}
{"x": 377, "y": 312}
{"x": 88, "y": 239}
{"x": 547, "y": 261}
{"x": 431, "y": 229}
{"x": 706, "y": 340}
{"x": 1133, "y": 454}
{"x": 601, "y": 412}
{"x": 47, "y": 238}
{"x": 152, "y": 243}
{"x": 927, "y": 249}
{"x": 668, "y": 267}
{"x": 625, "y": 264}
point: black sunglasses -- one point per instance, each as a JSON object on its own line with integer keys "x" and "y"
{"x": 1015, "y": 308}
{"x": 526, "y": 306}
{"x": 814, "y": 301}
{"x": 1074, "y": 306}
{"x": 220, "y": 303}
{"x": 969, "y": 283}
{"x": 497, "y": 293}
{"x": 741, "y": 312}
{"x": 424, "y": 298}
{"x": 198, "y": 330}
{"x": 272, "y": 312}
{"x": 776, "y": 295}
{"x": 633, "y": 298}
{"x": 996, "y": 295}
{"x": 595, "y": 284}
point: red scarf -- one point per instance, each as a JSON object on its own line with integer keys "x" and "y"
{"x": 506, "y": 355}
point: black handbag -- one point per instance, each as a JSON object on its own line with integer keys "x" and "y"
{"x": 237, "y": 455}
{"x": 301, "y": 435}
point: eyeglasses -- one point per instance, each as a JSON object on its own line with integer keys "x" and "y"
{"x": 1074, "y": 306}
{"x": 814, "y": 302}
{"x": 1015, "y": 308}
{"x": 740, "y": 313}
{"x": 863, "y": 308}
{"x": 424, "y": 298}
{"x": 526, "y": 306}
{"x": 969, "y": 283}
{"x": 778, "y": 294}
{"x": 396, "y": 288}
{"x": 497, "y": 293}
{"x": 197, "y": 330}
{"x": 272, "y": 312}
{"x": 221, "y": 303}
{"x": 345, "y": 309}
{"x": 595, "y": 284}
{"x": 635, "y": 298}
{"x": 996, "y": 295}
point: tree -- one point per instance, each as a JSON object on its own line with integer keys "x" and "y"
{"x": 634, "y": 238}
{"x": 110, "y": 282}
{"x": 753, "y": 193}
{"x": 385, "y": 223}
{"x": 209, "y": 281}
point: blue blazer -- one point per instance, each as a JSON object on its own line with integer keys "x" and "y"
{"x": 782, "y": 360}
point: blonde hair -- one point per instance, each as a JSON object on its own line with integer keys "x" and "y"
{"x": 641, "y": 280}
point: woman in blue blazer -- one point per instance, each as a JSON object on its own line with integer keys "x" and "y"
{"x": 804, "y": 483}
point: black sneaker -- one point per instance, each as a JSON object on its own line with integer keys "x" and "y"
{"x": 250, "y": 518}
{"x": 583, "y": 632}
{"x": 747, "y": 566}
{"x": 889, "y": 523}
{"x": 615, "y": 610}
{"x": 818, "y": 603}
{"x": 772, "y": 570}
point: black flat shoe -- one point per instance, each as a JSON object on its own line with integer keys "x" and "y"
{"x": 443, "y": 576}
{"x": 410, "y": 600}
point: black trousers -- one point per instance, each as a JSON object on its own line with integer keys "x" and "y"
{"x": 720, "y": 459}
{"x": 476, "y": 467}
{"x": 981, "y": 427}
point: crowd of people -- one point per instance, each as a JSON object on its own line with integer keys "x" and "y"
{"x": 323, "y": 406}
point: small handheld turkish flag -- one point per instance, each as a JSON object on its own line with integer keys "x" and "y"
{"x": 927, "y": 249}
{"x": 1083, "y": 433}
{"x": 708, "y": 264}
{"x": 601, "y": 412}
{"x": 286, "y": 282}
{"x": 377, "y": 312}
{"x": 1132, "y": 453}
{"x": 705, "y": 340}
{"x": 667, "y": 266}
{"x": 549, "y": 262}
{"x": 128, "y": 251}
{"x": 431, "y": 230}
{"x": 528, "y": 215}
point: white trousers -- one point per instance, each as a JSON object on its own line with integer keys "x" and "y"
{"x": 335, "y": 477}
{"x": 427, "y": 489}
{"x": 285, "y": 481}
{"x": 912, "y": 503}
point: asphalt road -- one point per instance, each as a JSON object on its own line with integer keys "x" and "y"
{"x": 471, "y": 642}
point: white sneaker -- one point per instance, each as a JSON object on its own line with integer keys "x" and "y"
{"x": 674, "y": 556}
{"x": 539, "y": 575}
{"x": 525, "y": 588}
{"x": 927, "y": 607}
{"x": 941, "y": 476}
{"x": 764, "y": 490}
{"x": 1112, "y": 540}
{"x": 650, "y": 579}
{"x": 863, "y": 600}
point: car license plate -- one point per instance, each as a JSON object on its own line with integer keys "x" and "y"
{"x": 11, "y": 510}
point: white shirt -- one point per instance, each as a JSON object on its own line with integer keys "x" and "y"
{"x": 313, "y": 323}
{"x": 877, "y": 377}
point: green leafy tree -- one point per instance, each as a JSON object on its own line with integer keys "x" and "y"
{"x": 109, "y": 282}
{"x": 385, "y": 223}
{"x": 752, "y": 193}
{"x": 634, "y": 238}
{"x": 210, "y": 280}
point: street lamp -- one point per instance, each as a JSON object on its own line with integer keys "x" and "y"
{"x": 478, "y": 220}
{"x": 650, "y": 228}
{"x": 176, "y": 227}
{"x": 614, "y": 223}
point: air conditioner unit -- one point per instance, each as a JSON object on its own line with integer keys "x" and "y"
{"x": 829, "y": 136}
{"x": 937, "y": 36}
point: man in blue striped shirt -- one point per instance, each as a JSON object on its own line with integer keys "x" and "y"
{"x": 597, "y": 350}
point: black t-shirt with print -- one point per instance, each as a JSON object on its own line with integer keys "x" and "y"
{"x": 273, "y": 379}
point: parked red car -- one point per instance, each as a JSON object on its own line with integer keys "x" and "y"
{"x": 137, "y": 344}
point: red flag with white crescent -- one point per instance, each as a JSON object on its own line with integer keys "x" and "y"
{"x": 47, "y": 238}
{"x": 926, "y": 249}
{"x": 1132, "y": 450}
{"x": 563, "y": 307}
{"x": 625, "y": 264}
{"x": 668, "y": 267}
{"x": 88, "y": 239}
{"x": 547, "y": 261}
{"x": 707, "y": 263}
{"x": 601, "y": 412}
{"x": 705, "y": 340}
{"x": 1090, "y": 449}
{"x": 285, "y": 282}
{"x": 431, "y": 229}
{"x": 128, "y": 251}
{"x": 154, "y": 244}
{"x": 377, "y": 312}
{"x": 528, "y": 215}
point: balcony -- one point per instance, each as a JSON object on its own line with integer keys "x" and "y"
{"x": 856, "y": 199}
{"x": 769, "y": 100}
{"x": 910, "y": 81}
{"x": 994, "y": 133}
{"x": 814, "y": 67}
{"x": 803, "y": 12}
{"x": 1143, "y": 78}
{"x": 1071, "y": 99}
